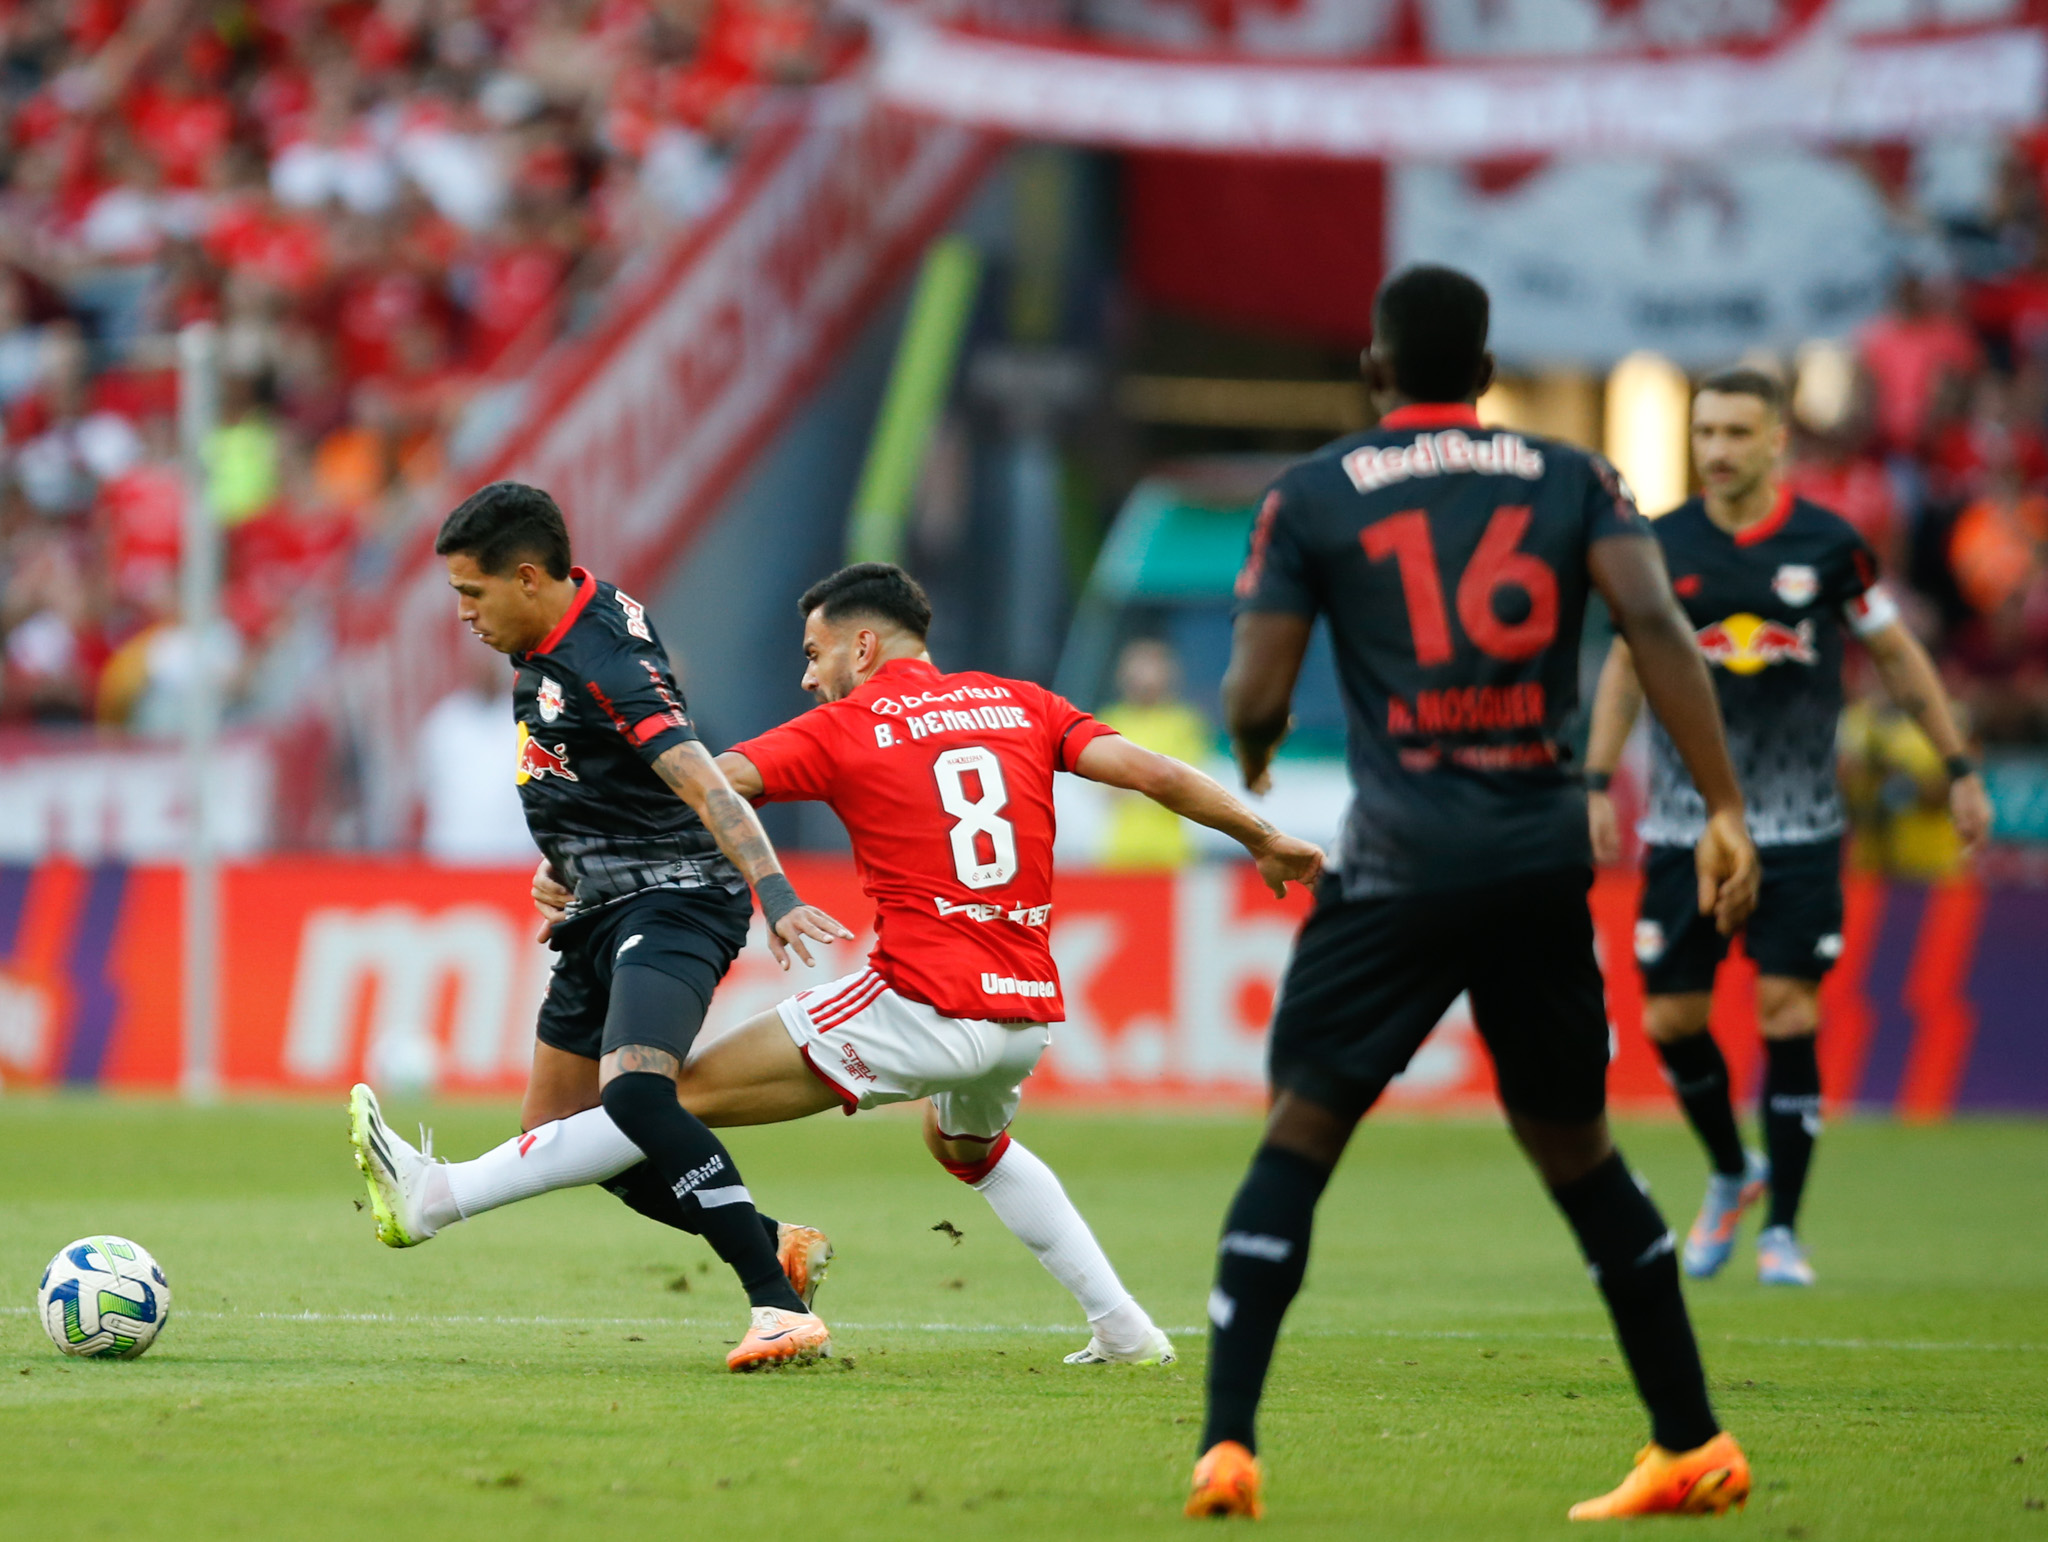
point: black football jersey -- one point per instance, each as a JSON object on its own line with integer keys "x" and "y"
{"x": 597, "y": 706}
{"x": 1770, "y": 605}
{"x": 1450, "y": 562}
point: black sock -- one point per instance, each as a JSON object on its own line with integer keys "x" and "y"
{"x": 1260, "y": 1262}
{"x": 643, "y": 1189}
{"x": 1630, "y": 1251}
{"x": 1791, "y": 1120}
{"x": 696, "y": 1166}
{"x": 1699, "y": 1075}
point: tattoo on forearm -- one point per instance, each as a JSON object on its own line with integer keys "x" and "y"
{"x": 739, "y": 833}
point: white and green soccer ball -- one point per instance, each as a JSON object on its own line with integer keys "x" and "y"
{"x": 104, "y": 1297}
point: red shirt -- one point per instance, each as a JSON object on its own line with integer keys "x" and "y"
{"x": 944, "y": 782}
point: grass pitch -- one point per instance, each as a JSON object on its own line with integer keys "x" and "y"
{"x": 555, "y": 1370}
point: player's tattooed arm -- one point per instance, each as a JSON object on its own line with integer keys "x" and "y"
{"x": 695, "y": 777}
{"x": 1116, "y": 762}
{"x": 1911, "y": 680}
{"x": 1266, "y": 651}
{"x": 1629, "y": 571}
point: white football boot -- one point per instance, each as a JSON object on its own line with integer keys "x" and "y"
{"x": 1157, "y": 1350}
{"x": 396, "y": 1171}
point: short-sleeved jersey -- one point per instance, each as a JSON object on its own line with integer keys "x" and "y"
{"x": 1450, "y": 563}
{"x": 1769, "y": 605}
{"x": 597, "y": 706}
{"x": 944, "y": 784}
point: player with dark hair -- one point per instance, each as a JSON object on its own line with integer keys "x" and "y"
{"x": 1770, "y": 583}
{"x": 657, "y": 851}
{"x": 944, "y": 783}
{"x": 1453, "y": 564}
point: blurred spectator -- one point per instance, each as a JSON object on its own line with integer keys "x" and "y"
{"x": 1896, "y": 792}
{"x": 1909, "y": 351}
{"x": 1150, "y": 713}
{"x": 468, "y": 752}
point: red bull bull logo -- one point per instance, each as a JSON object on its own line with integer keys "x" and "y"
{"x": 536, "y": 759}
{"x": 1746, "y": 645}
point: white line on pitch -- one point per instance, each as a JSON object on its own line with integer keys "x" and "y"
{"x": 1458, "y": 1335}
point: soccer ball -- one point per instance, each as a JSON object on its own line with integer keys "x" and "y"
{"x": 104, "y": 1297}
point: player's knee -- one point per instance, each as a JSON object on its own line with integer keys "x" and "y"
{"x": 639, "y": 1102}
{"x": 968, "y": 1160}
{"x": 1786, "y": 1011}
{"x": 1666, "y": 1018}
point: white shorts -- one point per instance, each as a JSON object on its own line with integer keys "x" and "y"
{"x": 872, "y": 1046}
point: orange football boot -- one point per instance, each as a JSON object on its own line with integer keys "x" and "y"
{"x": 1227, "y": 1482}
{"x": 1707, "y": 1480}
{"x": 777, "y": 1337}
{"x": 805, "y": 1253}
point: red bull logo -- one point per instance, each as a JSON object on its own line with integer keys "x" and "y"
{"x": 1746, "y": 645}
{"x": 536, "y": 759}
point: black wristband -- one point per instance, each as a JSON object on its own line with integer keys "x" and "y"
{"x": 1599, "y": 781}
{"x": 1959, "y": 766}
{"x": 778, "y": 897}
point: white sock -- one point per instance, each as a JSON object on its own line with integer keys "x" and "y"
{"x": 584, "y": 1148}
{"x": 1027, "y": 1198}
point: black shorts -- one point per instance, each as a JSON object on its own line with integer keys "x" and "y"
{"x": 691, "y": 935}
{"x": 1796, "y": 930}
{"x": 1370, "y": 978}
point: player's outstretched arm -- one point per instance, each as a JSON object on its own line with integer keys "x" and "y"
{"x": 1629, "y": 570}
{"x": 1266, "y": 650}
{"x": 1116, "y": 762}
{"x": 1911, "y": 680}
{"x": 690, "y": 770}
{"x": 1616, "y": 704}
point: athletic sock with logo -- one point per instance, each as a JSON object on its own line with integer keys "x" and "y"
{"x": 562, "y": 1154}
{"x": 640, "y": 1188}
{"x": 701, "y": 1174}
{"x": 1027, "y": 1197}
{"x": 1631, "y": 1252}
{"x": 1699, "y": 1075}
{"x": 1791, "y": 1120}
{"x": 1260, "y": 1263}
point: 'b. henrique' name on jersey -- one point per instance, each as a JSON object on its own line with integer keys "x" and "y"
{"x": 597, "y": 706}
{"x": 1450, "y": 563}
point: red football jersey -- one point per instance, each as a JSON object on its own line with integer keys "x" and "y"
{"x": 944, "y": 782}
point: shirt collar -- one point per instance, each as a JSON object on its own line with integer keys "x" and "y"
{"x": 586, "y": 590}
{"x": 1431, "y": 415}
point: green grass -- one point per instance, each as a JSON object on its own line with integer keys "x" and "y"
{"x": 541, "y": 1373}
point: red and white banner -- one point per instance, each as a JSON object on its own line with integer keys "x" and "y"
{"x": 428, "y": 978}
{"x": 641, "y": 428}
{"x": 1820, "y": 87}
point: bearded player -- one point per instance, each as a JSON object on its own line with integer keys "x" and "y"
{"x": 630, "y": 808}
{"x": 1771, "y": 584}
{"x": 1453, "y": 564}
{"x": 944, "y": 783}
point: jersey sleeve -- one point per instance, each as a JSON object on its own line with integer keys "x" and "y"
{"x": 1276, "y": 568}
{"x": 1610, "y": 507}
{"x": 633, "y": 687}
{"x": 1866, "y": 606}
{"x": 1069, "y": 730}
{"x": 796, "y": 761}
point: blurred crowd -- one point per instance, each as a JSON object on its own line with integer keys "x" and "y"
{"x": 1929, "y": 430}
{"x": 385, "y": 205}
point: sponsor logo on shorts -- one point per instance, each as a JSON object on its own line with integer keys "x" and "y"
{"x": 1009, "y": 985}
{"x": 856, "y": 1067}
{"x": 632, "y": 941}
{"x": 1649, "y": 942}
{"x": 1829, "y": 946}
